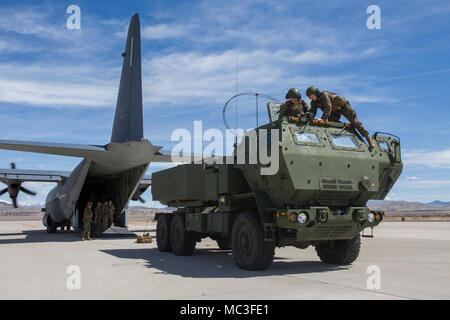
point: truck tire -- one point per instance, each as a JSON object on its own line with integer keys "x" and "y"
{"x": 182, "y": 241}
{"x": 224, "y": 243}
{"x": 250, "y": 251}
{"x": 339, "y": 251}
{"x": 163, "y": 233}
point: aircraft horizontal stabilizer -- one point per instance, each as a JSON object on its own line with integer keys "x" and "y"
{"x": 62, "y": 149}
{"x": 166, "y": 156}
{"x": 33, "y": 175}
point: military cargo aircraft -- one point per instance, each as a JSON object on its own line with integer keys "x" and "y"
{"x": 114, "y": 171}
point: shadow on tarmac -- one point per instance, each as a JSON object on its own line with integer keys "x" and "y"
{"x": 41, "y": 236}
{"x": 204, "y": 263}
{"x": 215, "y": 263}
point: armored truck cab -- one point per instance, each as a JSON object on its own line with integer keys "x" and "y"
{"x": 326, "y": 174}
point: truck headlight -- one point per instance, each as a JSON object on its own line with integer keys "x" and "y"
{"x": 302, "y": 217}
{"x": 371, "y": 217}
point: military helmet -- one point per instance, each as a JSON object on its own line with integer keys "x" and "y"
{"x": 312, "y": 90}
{"x": 293, "y": 93}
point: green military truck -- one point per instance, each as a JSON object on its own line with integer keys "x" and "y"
{"x": 317, "y": 198}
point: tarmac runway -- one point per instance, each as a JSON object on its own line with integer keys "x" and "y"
{"x": 412, "y": 260}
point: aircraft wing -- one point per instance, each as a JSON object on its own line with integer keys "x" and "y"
{"x": 63, "y": 149}
{"x": 33, "y": 175}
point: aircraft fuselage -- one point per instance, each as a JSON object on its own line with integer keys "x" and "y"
{"x": 113, "y": 175}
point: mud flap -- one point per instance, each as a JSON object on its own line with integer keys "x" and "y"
{"x": 367, "y": 235}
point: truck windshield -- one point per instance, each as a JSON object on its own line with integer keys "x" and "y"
{"x": 344, "y": 141}
{"x": 307, "y": 137}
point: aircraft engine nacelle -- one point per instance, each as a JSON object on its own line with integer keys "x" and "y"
{"x": 14, "y": 187}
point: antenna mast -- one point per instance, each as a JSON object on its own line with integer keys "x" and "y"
{"x": 236, "y": 111}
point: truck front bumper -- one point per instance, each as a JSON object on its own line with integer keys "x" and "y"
{"x": 320, "y": 223}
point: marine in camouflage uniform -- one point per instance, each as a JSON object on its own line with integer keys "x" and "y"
{"x": 294, "y": 106}
{"x": 87, "y": 219}
{"x": 105, "y": 216}
{"x": 333, "y": 106}
{"x": 98, "y": 218}
{"x": 111, "y": 209}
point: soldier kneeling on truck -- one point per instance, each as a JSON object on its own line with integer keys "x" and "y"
{"x": 295, "y": 105}
{"x": 333, "y": 106}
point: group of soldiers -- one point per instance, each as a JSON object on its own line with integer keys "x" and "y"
{"x": 101, "y": 219}
{"x": 331, "y": 104}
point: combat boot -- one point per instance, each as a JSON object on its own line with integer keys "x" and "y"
{"x": 89, "y": 236}
{"x": 82, "y": 238}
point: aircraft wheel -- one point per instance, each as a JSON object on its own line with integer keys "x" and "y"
{"x": 339, "y": 251}
{"x": 224, "y": 243}
{"x": 182, "y": 241}
{"x": 51, "y": 226}
{"x": 163, "y": 233}
{"x": 250, "y": 251}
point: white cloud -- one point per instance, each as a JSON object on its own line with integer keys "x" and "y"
{"x": 200, "y": 76}
{"x": 421, "y": 184}
{"x": 427, "y": 158}
{"x": 196, "y": 77}
{"x": 187, "y": 77}
{"x": 411, "y": 178}
{"x": 372, "y": 99}
{"x": 164, "y": 31}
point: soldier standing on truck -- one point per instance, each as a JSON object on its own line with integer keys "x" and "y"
{"x": 294, "y": 106}
{"x": 87, "y": 218}
{"x": 333, "y": 106}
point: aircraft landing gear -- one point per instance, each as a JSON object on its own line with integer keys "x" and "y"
{"x": 51, "y": 226}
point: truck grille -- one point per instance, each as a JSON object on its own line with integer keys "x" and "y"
{"x": 324, "y": 232}
{"x": 336, "y": 184}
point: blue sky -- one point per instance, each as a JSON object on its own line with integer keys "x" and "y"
{"x": 60, "y": 85}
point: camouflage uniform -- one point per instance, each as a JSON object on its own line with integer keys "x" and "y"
{"x": 111, "y": 211}
{"x": 293, "y": 109}
{"x": 87, "y": 219}
{"x": 105, "y": 216}
{"x": 333, "y": 107}
{"x": 98, "y": 218}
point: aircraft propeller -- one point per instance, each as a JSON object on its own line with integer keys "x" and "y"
{"x": 14, "y": 187}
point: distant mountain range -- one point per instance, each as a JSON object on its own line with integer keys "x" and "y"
{"x": 7, "y": 205}
{"x": 385, "y": 205}
{"x": 407, "y": 206}
{"x": 437, "y": 203}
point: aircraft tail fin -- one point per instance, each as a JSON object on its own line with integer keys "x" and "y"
{"x": 128, "y": 122}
